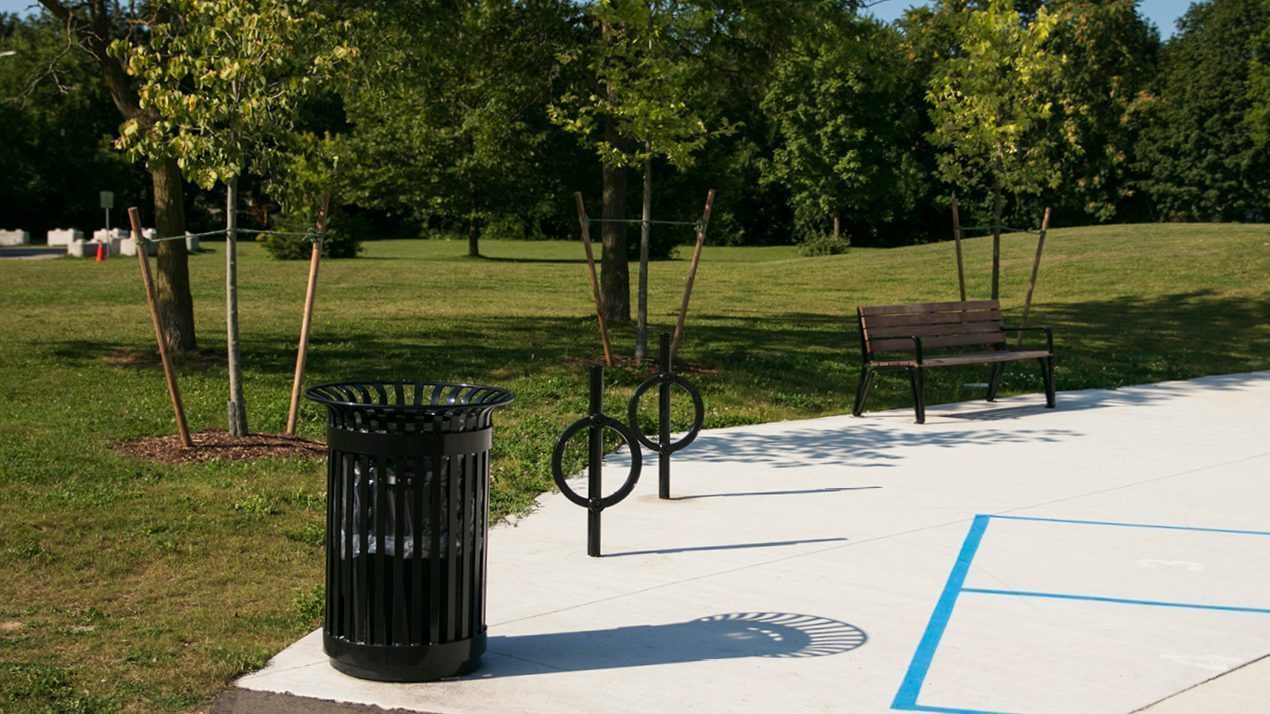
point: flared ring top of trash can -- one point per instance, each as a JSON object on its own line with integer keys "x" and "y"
{"x": 388, "y": 407}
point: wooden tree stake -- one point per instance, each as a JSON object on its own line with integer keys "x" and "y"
{"x": 961, "y": 273}
{"x": 168, "y": 371}
{"x": 692, "y": 275}
{"x": 306, "y": 322}
{"x": 1036, "y": 266}
{"x": 595, "y": 284}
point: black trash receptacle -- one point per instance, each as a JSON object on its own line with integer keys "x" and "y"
{"x": 406, "y": 526}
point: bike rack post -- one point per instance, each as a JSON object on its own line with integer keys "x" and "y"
{"x": 664, "y": 380}
{"x": 595, "y": 463}
{"x": 595, "y": 423}
{"x": 663, "y": 420}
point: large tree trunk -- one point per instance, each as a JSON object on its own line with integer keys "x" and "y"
{"x": 641, "y": 329}
{"x": 473, "y": 236}
{"x": 237, "y": 405}
{"x": 176, "y": 308}
{"x": 90, "y": 24}
{"x": 615, "y": 279}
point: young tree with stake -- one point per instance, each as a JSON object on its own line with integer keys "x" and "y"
{"x": 646, "y": 66}
{"x": 225, "y": 78}
{"x": 988, "y": 106}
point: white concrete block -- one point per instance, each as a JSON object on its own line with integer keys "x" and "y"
{"x": 102, "y": 234}
{"x": 15, "y": 237}
{"x": 81, "y": 249}
{"x": 64, "y": 236}
{"x": 128, "y": 246}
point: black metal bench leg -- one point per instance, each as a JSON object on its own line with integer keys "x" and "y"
{"x": 917, "y": 379}
{"x": 994, "y": 383}
{"x": 1047, "y": 376}
{"x": 862, "y": 390}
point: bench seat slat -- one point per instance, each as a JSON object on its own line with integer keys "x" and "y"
{"x": 967, "y": 358}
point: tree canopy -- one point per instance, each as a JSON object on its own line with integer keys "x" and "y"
{"x": 481, "y": 117}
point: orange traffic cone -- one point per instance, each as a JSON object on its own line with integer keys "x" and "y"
{"x": 101, "y": 252}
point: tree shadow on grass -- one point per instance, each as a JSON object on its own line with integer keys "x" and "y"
{"x": 801, "y": 360}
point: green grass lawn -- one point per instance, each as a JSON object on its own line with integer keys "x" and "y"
{"x": 126, "y": 585}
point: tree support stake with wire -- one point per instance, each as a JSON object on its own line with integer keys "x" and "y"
{"x": 306, "y": 322}
{"x": 169, "y": 372}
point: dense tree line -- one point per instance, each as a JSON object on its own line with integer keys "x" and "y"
{"x": 481, "y": 117}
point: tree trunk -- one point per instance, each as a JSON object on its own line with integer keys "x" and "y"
{"x": 473, "y": 236}
{"x": 641, "y": 329}
{"x": 615, "y": 279}
{"x": 997, "y": 202}
{"x": 237, "y": 405}
{"x": 176, "y": 308}
{"x": 90, "y": 23}
{"x": 837, "y": 225}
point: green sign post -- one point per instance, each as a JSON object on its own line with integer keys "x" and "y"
{"x": 107, "y": 202}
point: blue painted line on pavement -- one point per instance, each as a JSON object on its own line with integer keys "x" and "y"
{"x": 906, "y": 697}
{"x": 1118, "y": 600}
{"x": 1228, "y": 531}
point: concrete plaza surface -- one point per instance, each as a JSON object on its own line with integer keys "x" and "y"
{"x": 1111, "y": 555}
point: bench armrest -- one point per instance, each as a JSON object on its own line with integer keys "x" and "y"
{"x": 1049, "y": 334}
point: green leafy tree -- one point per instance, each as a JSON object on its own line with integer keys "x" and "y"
{"x": 1110, "y": 55}
{"x": 57, "y": 151}
{"x": 92, "y": 25}
{"x": 839, "y": 104}
{"x": 989, "y": 103}
{"x": 641, "y": 109}
{"x": 1259, "y": 89}
{"x": 454, "y": 98}
{"x": 224, "y": 79}
{"x": 1199, "y": 154}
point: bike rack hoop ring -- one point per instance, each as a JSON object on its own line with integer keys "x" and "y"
{"x": 557, "y": 458}
{"x": 698, "y": 418}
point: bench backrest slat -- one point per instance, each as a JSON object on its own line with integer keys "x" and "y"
{"x": 928, "y": 330}
{"x": 888, "y": 328}
{"x": 933, "y": 318}
{"x": 921, "y": 307}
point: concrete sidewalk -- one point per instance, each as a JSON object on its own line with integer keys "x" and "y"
{"x": 805, "y": 566}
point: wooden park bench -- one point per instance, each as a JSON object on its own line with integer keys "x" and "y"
{"x": 922, "y": 336}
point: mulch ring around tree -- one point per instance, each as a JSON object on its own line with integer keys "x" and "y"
{"x": 218, "y": 445}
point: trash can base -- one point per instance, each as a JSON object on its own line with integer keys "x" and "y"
{"x": 394, "y": 663}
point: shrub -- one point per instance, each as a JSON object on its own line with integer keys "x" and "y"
{"x": 343, "y": 239}
{"x": 824, "y": 244}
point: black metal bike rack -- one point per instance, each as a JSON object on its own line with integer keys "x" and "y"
{"x": 595, "y": 423}
{"x": 664, "y": 447}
